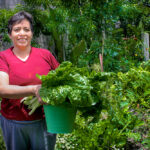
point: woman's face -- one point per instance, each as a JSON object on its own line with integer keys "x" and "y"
{"x": 21, "y": 34}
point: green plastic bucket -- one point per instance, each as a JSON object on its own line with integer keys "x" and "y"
{"x": 60, "y": 118}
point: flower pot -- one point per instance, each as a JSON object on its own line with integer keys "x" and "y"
{"x": 60, "y": 118}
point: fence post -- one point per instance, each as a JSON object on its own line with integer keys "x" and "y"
{"x": 145, "y": 39}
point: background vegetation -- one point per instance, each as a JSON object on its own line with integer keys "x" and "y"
{"x": 80, "y": 30}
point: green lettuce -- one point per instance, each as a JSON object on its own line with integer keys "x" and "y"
{"x": 67, "y": 84}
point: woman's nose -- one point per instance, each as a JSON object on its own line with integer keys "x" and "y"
{"x": 22, "y": 32}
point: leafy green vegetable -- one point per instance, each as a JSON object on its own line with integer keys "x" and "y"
{"x": 67, "y": 83}
{"x": 32, "y": 103}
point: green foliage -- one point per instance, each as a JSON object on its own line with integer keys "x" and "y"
{"x": 2, "y": 144}
{"x": 38, "y": 3}
{"x": 4, "y": 16}
{"x": 71, "y": 84}
{"x": 77, "y": 51}
{"x": 134, "y": 87}
{"x": 123, "y": 55}
{"x": 146, "y": 142}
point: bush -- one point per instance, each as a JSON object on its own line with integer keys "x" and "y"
{"x": 122, "y": 123}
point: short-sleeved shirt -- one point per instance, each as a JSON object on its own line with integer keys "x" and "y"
{"x": 22, "y": 73}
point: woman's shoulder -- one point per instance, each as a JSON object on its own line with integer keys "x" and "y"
{"x": 6, "y": 52}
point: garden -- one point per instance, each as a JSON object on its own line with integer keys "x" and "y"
{"x": 100, "y": 46}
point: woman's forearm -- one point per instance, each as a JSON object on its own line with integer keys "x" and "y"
{"x": 15, "y": 92}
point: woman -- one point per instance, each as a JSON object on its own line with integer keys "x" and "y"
{"x": 18, "y": 68}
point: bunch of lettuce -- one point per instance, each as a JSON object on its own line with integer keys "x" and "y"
{"x": 67, "y": 84}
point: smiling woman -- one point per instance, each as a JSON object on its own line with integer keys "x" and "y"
{"x": 21, "y": 35}
{"x": 18, "y": 68}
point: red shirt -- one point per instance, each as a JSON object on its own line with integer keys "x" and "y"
{"x": 22, "y": 73}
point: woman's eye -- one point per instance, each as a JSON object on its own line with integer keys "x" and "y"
{"x": 16, "y": 30}
{"x": 27, "y": 30}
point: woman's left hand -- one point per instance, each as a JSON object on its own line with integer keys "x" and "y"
{"x": 37, "y": 88}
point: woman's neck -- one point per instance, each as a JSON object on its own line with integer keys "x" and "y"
{"x": 22, "y": 53}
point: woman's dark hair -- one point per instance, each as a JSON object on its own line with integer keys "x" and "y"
{"x": 17, "y": 18}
